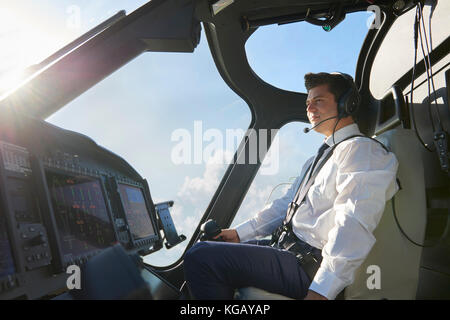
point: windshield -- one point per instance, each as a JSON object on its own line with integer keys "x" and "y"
{"x": 172, "y": 117}
{"x": 30, "y": 31}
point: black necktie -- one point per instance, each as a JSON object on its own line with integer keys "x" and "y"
{"x": 294, "y": 204}
{"x": 319, "y": 154}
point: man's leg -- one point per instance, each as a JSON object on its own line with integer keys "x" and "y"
{"x": 213, "y": 270}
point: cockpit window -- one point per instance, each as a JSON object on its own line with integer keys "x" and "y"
{"x": 281, "y": 166}
{"x": 396, "y": 52}
{"x": 173, "y": 118}
{"x": 31, "y": 31}
{"x": 297, "y": 48}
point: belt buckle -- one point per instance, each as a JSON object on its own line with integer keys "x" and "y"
{"x": 281, "y": 238}
{"x": 285, "y": 241}
{"x": 300, "y": 258}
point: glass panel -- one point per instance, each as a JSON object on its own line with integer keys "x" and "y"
{"x": 291, "y": 151}
{"x": 81, "y": 215}
{"x": 396, "y": 53}
{"x": 281, "y": 55}
{"x": 138, "y": 217}
{"x": 169, "y": 115}
{"x": 30, "y": 31}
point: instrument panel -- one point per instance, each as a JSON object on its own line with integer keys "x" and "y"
{"x": 63, "y": 199}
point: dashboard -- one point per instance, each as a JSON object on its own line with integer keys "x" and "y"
{"x": 64, "y": 199}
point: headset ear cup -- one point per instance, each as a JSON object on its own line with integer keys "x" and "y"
{"x": 342, "y": 109}
{"x": 355, "y": 100}
{"x": 352, "y": 98}
{"x": 345, "y": 104}
{"x": 352, "y": 103}
{"x": 348, "y": 103}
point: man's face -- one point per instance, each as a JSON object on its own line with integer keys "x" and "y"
{"x": 321, "y": 105}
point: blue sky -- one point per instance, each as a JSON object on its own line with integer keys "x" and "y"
{"x": 135, "y": 111}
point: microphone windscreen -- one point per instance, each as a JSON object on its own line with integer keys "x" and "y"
{"x": 306, "y": 130}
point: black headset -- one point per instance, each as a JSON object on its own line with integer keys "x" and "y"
{"x": 348, "y": 102}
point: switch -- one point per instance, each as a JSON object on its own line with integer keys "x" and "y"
{"x": 38, "y": 240}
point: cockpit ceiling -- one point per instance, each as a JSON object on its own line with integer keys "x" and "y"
{"x": 315, "y": 9}
{"x": 260, "y": 10}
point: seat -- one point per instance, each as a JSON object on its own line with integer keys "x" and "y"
{"x": 397, "y": 258}
{"x": 394, "y": 256}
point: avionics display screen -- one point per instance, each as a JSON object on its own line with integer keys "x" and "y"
{"x": 6, "y": 259}
{"x": 136, "y": 211}
{"x": 81, "y": 215}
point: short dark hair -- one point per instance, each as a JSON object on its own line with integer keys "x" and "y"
{"x": 337, "y": 84}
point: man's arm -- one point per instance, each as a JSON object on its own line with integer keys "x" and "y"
{"x": 269, "y": 218}
{"x": 364, "y": 176}
{"x": 266, "y": 220}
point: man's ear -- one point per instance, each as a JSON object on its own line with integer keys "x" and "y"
{"x": 348, "y": 119}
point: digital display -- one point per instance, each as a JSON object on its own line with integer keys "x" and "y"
{"x": 136, "y": 211}
{"x": 6, "y": 259}
{"x": 81, "y": 215}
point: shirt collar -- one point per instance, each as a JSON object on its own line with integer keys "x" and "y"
{"x": 341, "y": 134}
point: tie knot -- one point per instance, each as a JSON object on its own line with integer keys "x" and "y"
{"x": 323, "y": 147}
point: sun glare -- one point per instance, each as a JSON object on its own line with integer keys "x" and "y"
{"x": 24, "y": 42}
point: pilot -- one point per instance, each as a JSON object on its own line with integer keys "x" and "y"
{"x": 322, "y": 228}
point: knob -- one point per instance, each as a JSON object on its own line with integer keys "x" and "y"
{"x": 210, "y": 229}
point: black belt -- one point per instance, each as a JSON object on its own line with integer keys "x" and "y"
{"x": 308, "y": 256}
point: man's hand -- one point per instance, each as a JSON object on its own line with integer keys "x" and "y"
{"x": 229, "y": 235}
{"x": 312, "y": 295}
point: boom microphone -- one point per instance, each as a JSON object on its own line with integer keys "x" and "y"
{"x": 306, "y": 130}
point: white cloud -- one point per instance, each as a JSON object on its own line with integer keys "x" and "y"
{"x": 199, "y": 190}
{"x": 256, "y": 199}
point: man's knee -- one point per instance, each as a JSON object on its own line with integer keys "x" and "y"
{"x": 196, "y": 255}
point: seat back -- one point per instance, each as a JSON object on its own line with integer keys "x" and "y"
{"x": 391, "y": 270}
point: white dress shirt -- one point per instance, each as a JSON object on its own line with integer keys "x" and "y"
{"x": 341, "y": 209}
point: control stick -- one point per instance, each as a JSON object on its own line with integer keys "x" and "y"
{"x": 210, "y": 229}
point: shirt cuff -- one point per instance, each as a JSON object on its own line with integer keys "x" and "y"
{"x": 245, "y": 231}
{"x": 327, "y": 284}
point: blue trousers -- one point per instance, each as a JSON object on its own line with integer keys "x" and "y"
{"x": 213, "y": 270}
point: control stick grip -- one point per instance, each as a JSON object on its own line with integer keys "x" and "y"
{"x": 210, "y": 229}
